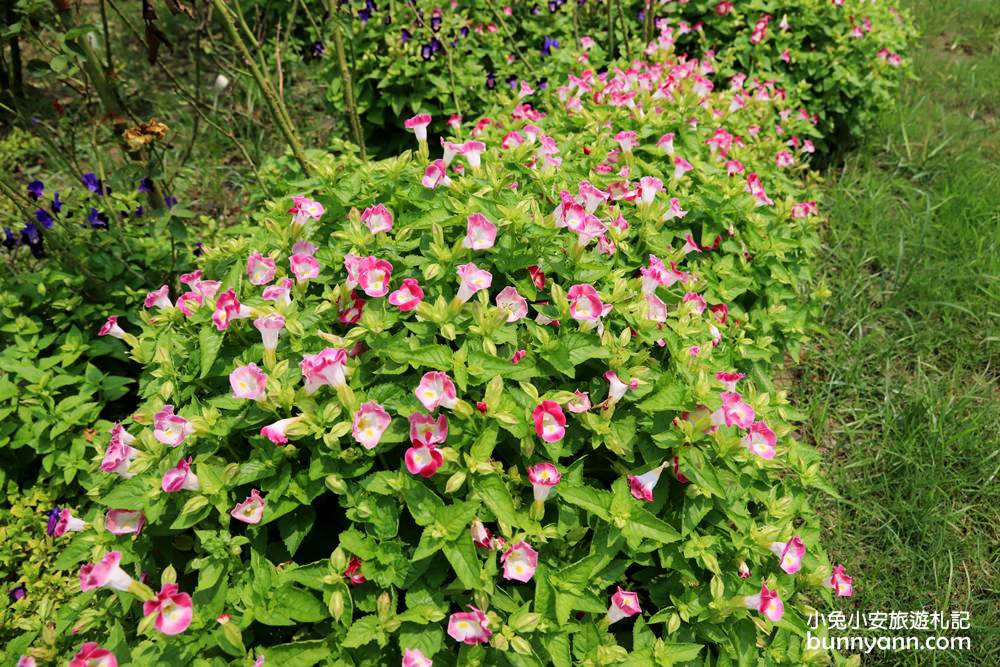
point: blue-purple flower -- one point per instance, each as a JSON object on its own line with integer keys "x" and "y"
{"x": 53, "y": 515}
{"x": 404, "y": 36}
{"x": 10, "y": 241}
{"x": 56, "y": 202}
{"x": 491, "y": 80}
{"x": 17, "y": 593}
{"x": 43, "y": 217}
{"x": 97, "y": 219}
{"x": 548, "y": 44}
{"x": 93, "y": 183}
{"x": 145, "y": 184}
{"x": 35, "y": 189}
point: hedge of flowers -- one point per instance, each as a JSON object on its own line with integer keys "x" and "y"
{"x": 506, "y": 400}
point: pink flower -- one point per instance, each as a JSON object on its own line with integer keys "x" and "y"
{"x": 516, "y": 305}
{"x": 591, "y": 196}
{"x": 353, "y": 571}
{"x": 623, "y": 605}
{"x": 377, "y": 218}
{"x": 270, "y": 327}
{"x": 480, "y": 534}
{"x": 840, "y": 582}
{"x": 436, "y": 174}
{"x": 681, "y": 167}
{"x": 170, "y": 429}
{"x": 426, "y": 430}
{"x": 642, "y": 485}
{"x": 105, "y": 572}
{"x": 374, "y": 275}
{"x": 472, "y": 150}
{"x": 537, "y": 277}
{"x": 260, "y": 269}
{"x": 656, "y": 309}
{"x": 325, "y": 368}
{"x": 159, "y": 298}
{"x": 697, "y": 301}
{"x": 26, "y": 661}
{"x": 304, "y": 267}
{"x": 111, "y": 328}
{"x": 675, "y": 210}
{"x": 519, "y": 562}
{"x": 436, "y": 389}
{"x": 648, "y": 187}
{"x": 729, "y": 380}
{"x": 580, "y": 403}
{"x": 755, "y": 188}
{"x": 767, "y": 602}
{"x": 666, "y": 143}
{"x": 303, "y": 209}
{"x": 173, "y": 610}
{"x": 469, "y": 627}
{"x": 304, "y": 248}
{"x": 418, "y": 125}
{"x": 543, "y": 477}
{"x": 276, "y": 432}
{"x": 585, "y": 304}
{"x": 450, "y": 150}
{"x": 408, "y": 296}
{"x": 188, "y": 302}
{"x": 518, "y": 356}
{"x": 92, "y": 655}
{"x": 760, "y": 440}
{"x": 228, "y": 308}
{"x": 472, "y": 280}
{"x": 734, "y": 410}
{"x": 455, "y": 121}
{"x": 370, "y": 422}
{"x": 124, "y": 522}
{"x": 790, "y": 553}
{"x": 512, "y": 138}
{"x": 67, "y": 523}
{"x": 280, "y": 292}
{"x": 250, "y": 510}
{"x": 550, "y": 422}
{"x": 248, "y": 382}
{"x": 627, "y": 140}
{"x": 690, "y": 245}
{"x": 743, "y": 570}
{"x": 423, "y": 460}
{"x": 180, "y": 477}
{"x": 412, "y": 657}
{"x": 351, "y": 314}
{"x": 480, "y": 233}
{"x": 617, "y": 388}
{"x": 117, "y": 457}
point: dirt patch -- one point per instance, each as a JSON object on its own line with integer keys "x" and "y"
{"x": 952, "y": 45}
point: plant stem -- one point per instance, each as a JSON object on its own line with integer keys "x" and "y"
{"x": 611, "y": 31}
{"x": 270, "y": 97}
{"x": 510, "y": 36}
{"x": 345, "y": 75}
{"x": 625, "y": 35}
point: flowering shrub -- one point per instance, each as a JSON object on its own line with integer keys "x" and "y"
{"x": 510, "y": 405}
{"x": 843, "y": 58}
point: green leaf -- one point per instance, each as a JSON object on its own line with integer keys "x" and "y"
{"x": 295, "y": 526}
{"x": 297, "y": 654}
{"x": 668, "y": 654}
{"x": 363, "y": 631}
{"x": 461, "y": 553}
{"x": 210, "y": 342}
{"x": 496, "y": 496}
{"x": 596, "y": 502}
{"x": 438, "y": 357}
{"x": 194, "y": 510}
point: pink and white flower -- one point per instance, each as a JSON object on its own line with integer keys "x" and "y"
{"x": 304, "y": 267}
{"x": 642, "y": 485}
{"x": 408, "y": 296}
{"x": 304, "y": 209}
{"x": 472, "y": 151}
{"x": 543, "y": 477}
{"x": 550, "y": 422}
{"x": 675, "y": 211}
{"x": 427, "y": 430}
{"x": 67, "y": 523}
{"x": 325, "y": 368}
{"x": 697, "y": 302}
{"x": 469, "y": 627}
{"x": 790, "y": 553}
{"x": 260, "y": 269}
{"x": 767, "y": 602}
{"x": 111, "y": 328}
{"x": 304, "y": 248}
{"x": 585, "y": 303}
{"x": 729, "y": 379}
{"x": 648, "y": 187}
{"x": 840, "y": 582}
{"x": 472, "y": 279}
{"x": 481, "y": 536}
{"x": 519, "y": 562}
{"x": 755, "y": 188}
{"x": 281, "y": 292}
{"x": 189, "y": 302}
{"x": 516, "y": 305}
{"x": 270, "y": 327}
{"x": 681, "y": 167}
{"x": 412, "y": 657}
{"x": 423, "y": 460}
{"x": 227, "y": 309}
{"x": 92, "y": 655}
{"x": 173, "y": 610}
{"x": 623, "y": 605}
{"x": 418, "y": 125}
{"x": 579, "y": 403}
{"x": 436, "y": 175}
{"x": 180, "y": 477}
{"x": 743, "y": 571}
{"x": 480, "y": 233}
{"x": 374, "y": 276}
{"x": 370, "y": 422}
{"x": 105, "y": 573}
{"x": 436, "y": 389}
{"x": 117, "y": 457}
{"x": 26, "y": 661}
{"x": 760, "y": 440}
{"x": 248, "y": 382}
{"x": 617, "y": 388}
{"x": 159, "y": 299}
{"x": 734, "y": 410}
{"x": 278, "y": 431}
{"x": 170, "y": 429}
{"x": 377, "y": 219}
{"x": 250, "y": 510}
{"x": 627, "y": 140}
{"x": 656, "y": 309}
{"x": 124, "y": 522}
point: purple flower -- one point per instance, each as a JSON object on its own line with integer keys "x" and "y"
{"x": 534, "y": 10}
{"x": 34, "y": 239}
{"x": 512, "y": 81}
{"x": 553, "y": 6}
{"x": 44, "y": 218}
{"x": 364, "y": 15}
{"x": 93, "y": 183}
{"x": 198, "y": 251}
{"x": 53, "y": 515}
{"x": 170, "y": 201}
{"x": 97, "y": 219}
{"x": 146, "y": 184}
{"x": 435, "y": 23}
{"x": 425, "y": 52}
{"x": 548, "y": 44}
{"x": 10, "y": 241}
{"x": 56, "y": 202}
{"x": 318, "y": 49}
{"x": 464, "y": 31}
{"x": 139, "y": 210}
{"x": 404, "y": 36}
{"x": 491, "y": 81}
{"x": 435, "y": 45}
{"x": 17, "y": 593}
{"x": 543, "y": 83}
{"x": 35, "y": 189}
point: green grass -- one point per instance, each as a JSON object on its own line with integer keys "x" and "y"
{"x": 903, "y": 390}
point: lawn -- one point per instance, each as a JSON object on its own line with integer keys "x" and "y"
{"x": 901, "y": 389}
